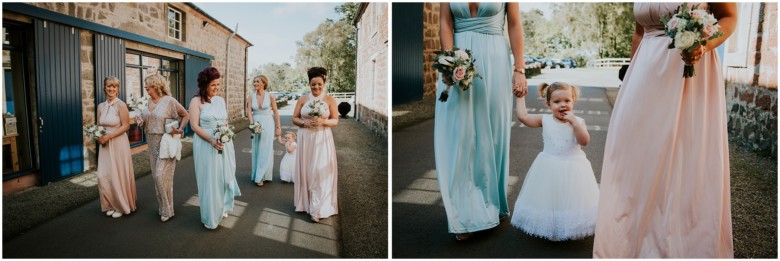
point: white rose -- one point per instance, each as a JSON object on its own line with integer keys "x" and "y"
{"x": 97, "y": 134}
{"x": 683, "y": 40}
{"x": 462, "y": 55}
{"x": 681, "y": 24}
{"x": 225, "y": 139}
{"x": 443, "y": 61}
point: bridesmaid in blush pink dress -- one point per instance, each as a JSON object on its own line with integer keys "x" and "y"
{"x": 116, "y": 179}
{"x": 316, "y": 171}
{"x": 665, "y": 176}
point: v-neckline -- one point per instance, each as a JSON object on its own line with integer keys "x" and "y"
{"x": 469, "y": 7}
{"x": 260, "y": 101}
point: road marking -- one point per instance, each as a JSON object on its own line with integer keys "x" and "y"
{"x": 589, "y": 112}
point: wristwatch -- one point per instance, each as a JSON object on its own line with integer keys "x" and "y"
{"x": 520, "y": 70}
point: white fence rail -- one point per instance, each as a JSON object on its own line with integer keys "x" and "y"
{"x": 608, "y": 62}
{"x": 342, "y": 95}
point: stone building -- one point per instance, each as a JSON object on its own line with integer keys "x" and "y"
{"x": 371, "y": 83}
{"x": 56, "y": 55}
{"x": 750, "y": 71}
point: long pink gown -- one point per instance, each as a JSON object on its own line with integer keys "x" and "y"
{"x": 116, "y": 179}
{"x": 665, "y": 175}
{"x": 316, "y": 170}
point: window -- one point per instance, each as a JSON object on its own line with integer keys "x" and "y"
{"x": 738, "y": 45}
{"x": 174, "y": 24}
{"x": 136, "y": 70}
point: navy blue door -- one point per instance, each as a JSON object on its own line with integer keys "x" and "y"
{"x": 192, "y": 66}
{"x": 407, "y": 52}
{"x": 58, "y": 86}
{"x": 109, "y": 61}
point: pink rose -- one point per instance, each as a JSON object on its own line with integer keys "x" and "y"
{"x": 672, "y": 23}
{"x": 462, "y": 55}
{"x": 708, "y": 30}
{"x": 459, "y": 73}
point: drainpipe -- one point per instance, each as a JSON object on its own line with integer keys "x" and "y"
{"x": 357, "y": 57}
{"x": 227, "y": 65}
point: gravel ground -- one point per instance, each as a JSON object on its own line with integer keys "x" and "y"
{"x": 363, "y": 194}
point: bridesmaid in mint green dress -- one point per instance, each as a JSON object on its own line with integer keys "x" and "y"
{"x": 471, "y": 133}
{"x": 263, "y": 145}
{"x": 215, "y": 173}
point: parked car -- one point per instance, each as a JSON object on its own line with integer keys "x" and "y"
{"x": 569, "y": 63}
{"x": 554, "y": 63}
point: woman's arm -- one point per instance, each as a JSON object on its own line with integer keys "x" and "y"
{"x": 446, "y": 27}
{"x": 297, "y": 112}
{"x": 530, "y": 120}
{"x": 333, "y": 119}
{"x": 195, "y": 124}
{"x": 639, "y": 32}
{"x": 515, "y": 27}
{"x": 726, "y": 13}
{"x": 185, "y": 117}
{"x": 278, "y": 131}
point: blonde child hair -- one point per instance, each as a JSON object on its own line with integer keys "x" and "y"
{"x": 546, "y": 90}
{"x": 295, "y": 136}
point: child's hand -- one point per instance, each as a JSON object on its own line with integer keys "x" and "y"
{"x": 570, "y": 117}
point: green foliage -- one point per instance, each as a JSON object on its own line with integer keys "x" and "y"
{"x": 580, "y": 30}
{"x": 332, "y": 45}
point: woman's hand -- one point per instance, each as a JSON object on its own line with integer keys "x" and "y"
{"x": 692, "y": 57}
{"x": 278, "y": 132}
{"x": 139, "y": 120}
{"x": 103, "y": 139}
{"x": 519, "y": 85}
{"x": 216, "y": 144}
{"x": 175, "y": 130}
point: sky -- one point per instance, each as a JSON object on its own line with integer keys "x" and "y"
{"x": 272, "y": 28}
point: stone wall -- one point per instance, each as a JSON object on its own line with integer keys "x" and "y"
{"x": 751, "y": 91}
{"x": 371, "y": 91}
{"x": 150, "y": 20}
{"x": 431, "y": 43}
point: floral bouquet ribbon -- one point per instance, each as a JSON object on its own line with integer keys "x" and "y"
{"x": 457, "y": 67}
{"x": 690, "y": 27}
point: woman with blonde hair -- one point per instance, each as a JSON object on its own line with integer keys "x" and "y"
{"x": 162, "y": 107}
{"x": 261, "y": 107}
{"x": 116, "y": 179}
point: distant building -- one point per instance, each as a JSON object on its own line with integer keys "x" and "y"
{"x": 750, "y": 70}
{"x": 371, "y": 83}
{"x": 56, "y": 55}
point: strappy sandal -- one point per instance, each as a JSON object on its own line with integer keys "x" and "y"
{"x": 462, "y": 236}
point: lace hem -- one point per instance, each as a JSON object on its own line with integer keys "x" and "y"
{"x": 556, "y": 225}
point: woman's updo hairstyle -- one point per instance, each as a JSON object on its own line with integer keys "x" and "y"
{"x": 314, "y": 72}
{"x": 205, "y": 77}
{"x": 546, "y": 90}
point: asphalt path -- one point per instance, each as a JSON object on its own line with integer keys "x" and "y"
{"x": 419, "y": 219}
{"x": 263, "y": 224}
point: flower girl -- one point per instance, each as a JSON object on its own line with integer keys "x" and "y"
{"x": 559, "y": 197}
{"x": 287, "y": 167}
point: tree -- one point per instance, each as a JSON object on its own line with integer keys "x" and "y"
{"x": 281, "y": 77}
{"x": 332, "y": 45}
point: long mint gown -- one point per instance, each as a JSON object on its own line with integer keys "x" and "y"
{"x": 262, "y": 145}
{"x": 215, "y": 173}
{"x": 471, "y": 133}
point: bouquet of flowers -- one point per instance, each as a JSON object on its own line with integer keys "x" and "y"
{"x": 690, "y": 27}
{"x": 457, "y": 67}
{"x": 137, "y": 103}
{"x": 94, "y": 132}
{"x": 316, "y": 108}
{"x": 224, "y": 133}
{"x": 255, "y": 128}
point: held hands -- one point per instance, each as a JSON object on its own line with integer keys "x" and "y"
{"x": 278, "y": 132}
{"x": 519, "y": 85}
{"x": 692, "y": 57}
